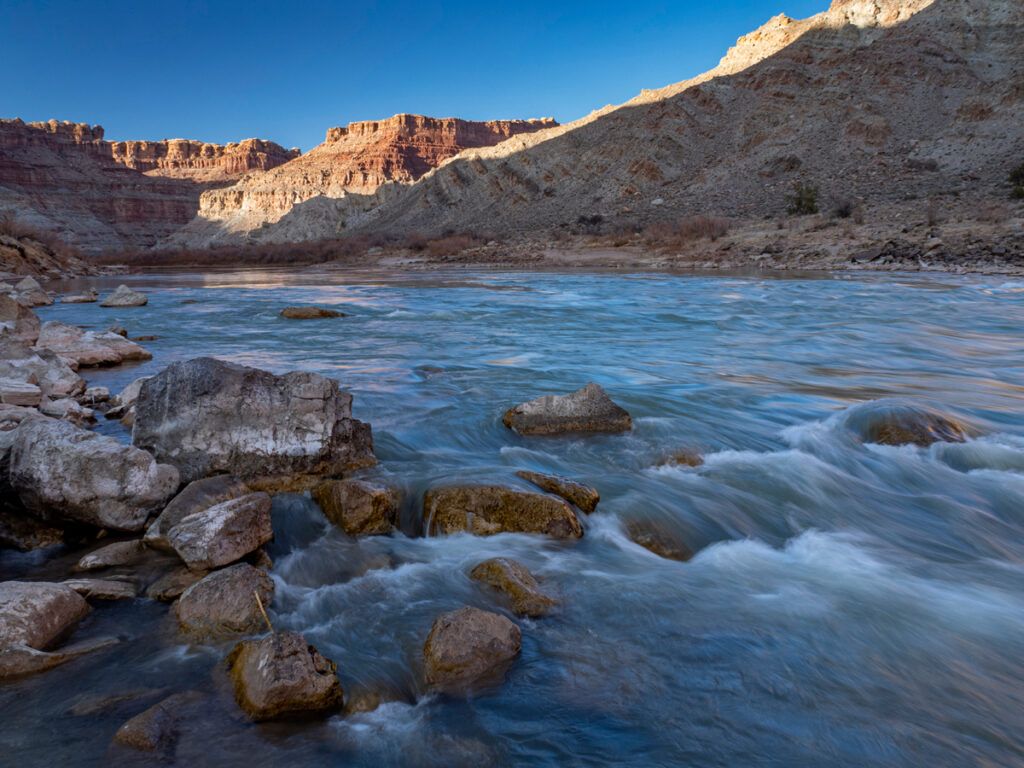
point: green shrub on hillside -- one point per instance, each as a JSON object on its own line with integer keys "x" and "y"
{"x": 1017, "y": 193}
{"x": 804, "y": 200}
{"x": 1017, "y": 176}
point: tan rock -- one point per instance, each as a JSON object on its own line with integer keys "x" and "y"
{"x": 358, "y": 507}
{"x": 659, "y": 538}
{"x": 898, "y": 422}
{"x": 469, "y": 648}
{"x": 309, "y": 313}
{"x": 484, "y": 510}
{"x": 585, "y": 497}
{"x": 224, "y": 602}
{"x": 515, "y": 580}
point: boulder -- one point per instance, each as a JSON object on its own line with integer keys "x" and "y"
{"x": 16, "y": 392}
{"x": 23, "y": 660}
{"x": 515, "y": 580}
{"x": 103, "y": 589}
{"x": 30, "y": 294}
{"x": 42, "y": 368}
{"x": 223, "y": 533}
{"x": 585, "y": 410}
{"x": 224, "y": 602}
{"x": 659, "y": 538}
{"x": 358, "y": 507}
{"x": 88, "y": 296}
{"x": 469, "y": 648}
{"x": 485, "y": 509}
{"x": 892, "y": 421}
{"x": 124, "y": 297}
{"x": 17, "y": 322}
{"x": 61, "y": 471}
{"x": 172, "y": 584}
{"x": 309, "y": 313}
{"x": 157, "y": 727}
{"x": 196, "y": 497}
{"x": 120, "y": 330}
{"x": 67, "y": 409}
{"x": 94, "y": 395}
{"x": 88, "y": 348}
{"x": 111, "y": 555}
{"x": 585, "y": 497}
{"x": 36, "y": 614}
{"x": 282, "y": 674}
{"x": 206, "y": 416}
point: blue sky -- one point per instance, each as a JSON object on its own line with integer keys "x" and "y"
{"x": 225, "y": 71}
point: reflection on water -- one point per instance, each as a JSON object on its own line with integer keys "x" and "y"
{"x": 851, "y": 604}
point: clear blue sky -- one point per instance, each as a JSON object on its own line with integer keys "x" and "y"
{"x": 225, "y": 71}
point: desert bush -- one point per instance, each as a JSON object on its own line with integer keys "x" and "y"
{"x": 844, "y": 208}
{"x": 803, "y": 201}
{"x": 993, "y": 213}
{"x": 12, "y": 227}
{"x": 451, "y": 245}
{"x": 1017, "y": 176}
{"x": 932, "y": 213}
{"x": 686, "y": 230}
{"x": 1017, "y": 193}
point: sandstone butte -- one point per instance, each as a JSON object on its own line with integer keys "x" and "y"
{"x": 357, "y": 158}
{"x": 883, "y": 101}
{"x": 65, "y": 178}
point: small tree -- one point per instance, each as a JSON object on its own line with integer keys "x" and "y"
{"x": 804, "y": 200}
{"x": 1017, "y": 179}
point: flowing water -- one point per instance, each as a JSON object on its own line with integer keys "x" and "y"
{"x": 850, "y": 604}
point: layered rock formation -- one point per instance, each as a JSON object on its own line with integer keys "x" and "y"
{"x": 882, "y": 100}
{"x": 66, "y": 179}
{"x": 357, "y": 158}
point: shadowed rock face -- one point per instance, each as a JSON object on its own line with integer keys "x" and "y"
{"x": 206, "y": 416}
{"x": 586, "y": 410}
{"x": 282, "y": 674}
{"x": 484, "y": 510}
{"x": 360, "y": 508}
{"x": 469, "y": 648}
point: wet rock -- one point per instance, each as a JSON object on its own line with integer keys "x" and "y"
{"x": 583, "y": 496}
{"x": 36, "y": 614}
{"x": 224, "y": 602}
{"x": 897, "y": 422}
{"x": 224, "y": 533}
{"x": 67, "y": 409}
{"x": 282, "y": 674}
{"x": 110, "y": 555}
{"x": 120, "y": 330}
{"x": 660, "y": 539}
{"x": 87, "y": 296}
{"x": 484, "y": 510}
{"x": 309, "y": 313}
{"x": 40, "y": 367}
{"x": 64, "y": 472}
{"x": 124, "y": 297}
{"x": 197, "y": 496}
{"x": 146, "y": 337}
{"x": 88, "y": 705}
{"x": 22, "y": 660}
{"x": 17, "y": 323}
{"x": 586, "y": 410}
{"x": 171, "y": 585}
{"x": 468, "y": 648}
{"x": 103, "y": 589}
{"x": 25, "y": 533}
{"x": 369, "y": 698}
{"x": 157, "y": 727}
{"x": 682, "y": 457}
{"x": 515, "y": 580}
{"x": 88, "y": 348}
{"x": 30, "y": 294}
{"x": 358, "y": 507}
{"x": 206, "y": 416}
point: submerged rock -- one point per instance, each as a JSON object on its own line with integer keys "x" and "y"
{"x": 124, "y": 297}
{"x": 196, "y": 497}
{"x": 282, "y": 674}
{"x": 469, "y": 648}
{"x": 157, "y": 727}
{"x": 586, "y": 410}
{"x": 358, "y": 507}
{"x": 223, "y": 533}
{"x": 64, "y": 472}
{"x": 660, "y": 539}
{"x": 309, "y": 313}
{"x": 583, "y": 496}
{"x": 682, "y": 457}
{"x": 224, "y": 602}
{"x": 484, "y": 510}
{"x": 21, "y": 531}
{"x": 17, "y": 323}
{"x": 206, "y": 416}
{"x": 897, "y": 422}
{"x": 88, "y": 348}
{"x": 515, "y": 580}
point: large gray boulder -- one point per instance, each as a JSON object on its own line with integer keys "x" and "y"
{"x": 282, "y": 674}
{"x": 17, "y": 322}
{"x": 469, "y": 648}
{"x": 484, "y": 510}
{"x": 586, "y": 410}
{"x": 36, "y": 614}
{"x": 124, "y": 297}
{"x": 206, "y": 416}
{"x": 223, "y": 533}
{"x": 61, "y": 471}
{"x": 88, "y": 348}
{"x": 197, "y": 496}
{"x": 30, "y": 294}
{"x": 225, "y": 602}
{"x": 41, "y": 368}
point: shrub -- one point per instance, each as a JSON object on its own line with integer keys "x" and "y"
{"x": 803, "y": 201}
{"x": 451, "y": 245}
{"x": 686, "y": 230}
{"x": 1017, "y": 193}
{"x": 1017, "y": 176}
{"x": 932, "y": 213}
{"x": 844, "y": 208}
